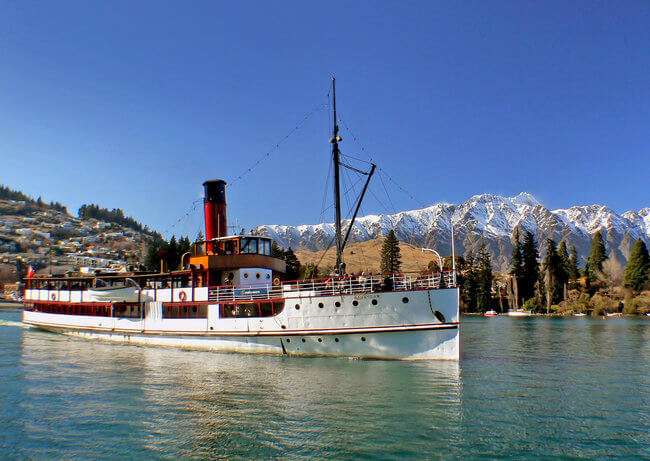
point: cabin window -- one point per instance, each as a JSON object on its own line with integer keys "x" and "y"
{"x": 185, "y": 311}
{"x": 128, "y": 310}
{"x": 251, "y": 309}
{"x": 265, "y": 247}
{"x": 230, "y": 247}
{"x": 249, "y": 245}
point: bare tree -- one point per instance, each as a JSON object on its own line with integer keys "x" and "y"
{"x": 612, "y": 273}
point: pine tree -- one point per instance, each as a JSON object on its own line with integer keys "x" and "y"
{"x": 173, "y": 258}
{"x": 574, "y": 272}
{"x": 516, "y": 267}
{"x": 555, "y": 275}
{"x": 637, "y": 269}
{"x": 530, "y": 267}
{"x": 390, "y": 254}
{"x": 293, "y": 265}
{"x": 468, "y": 288}
{"x": 276, "y": 250}
{"x": 563, "y": 253}
{"x": 152, "y": 258}
{"x": 184, "y": 245}
{"x": 597, "y": 256}
{"x": 484, "y": 281}
{"x": 565, "y": 268}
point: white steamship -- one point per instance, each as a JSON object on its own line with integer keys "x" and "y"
{"x": 231, "y": 295}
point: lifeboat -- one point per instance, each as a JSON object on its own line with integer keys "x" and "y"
{"x": 103, "y": 292}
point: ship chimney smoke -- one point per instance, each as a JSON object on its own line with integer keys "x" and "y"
{"x": 214, "y": 205}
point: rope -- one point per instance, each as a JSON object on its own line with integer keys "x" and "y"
{"x": 363, "y": 149}
{"x": 276, "y": 146}
{"x": 186, "y": 215}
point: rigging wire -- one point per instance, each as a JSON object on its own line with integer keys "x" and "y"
{"x": 409, "y": 223}
{"x": 363, "y": 149}
{"x": 324, "y": 202}
{"x": 257, "y": 163}
{"x": 186, "y": 215}
{"x": 277, "y": 145}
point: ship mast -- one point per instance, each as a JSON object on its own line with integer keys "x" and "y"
{"x": 340, "y": 266}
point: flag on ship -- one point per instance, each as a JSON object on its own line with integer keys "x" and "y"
{"x": 30, "y": 272}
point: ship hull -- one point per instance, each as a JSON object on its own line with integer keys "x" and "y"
{"x": 407, "y": 325}
{"x": 440, "y": 343}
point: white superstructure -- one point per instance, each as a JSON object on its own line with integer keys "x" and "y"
{"x": 338, "y": 316}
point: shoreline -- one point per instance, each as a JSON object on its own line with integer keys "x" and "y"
{"x": 11, "y": 305}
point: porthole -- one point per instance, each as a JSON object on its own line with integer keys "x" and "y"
{"x": 374, "y": 302}
{"x": 363, "y": 338}
{"x": 320, "y": 340}
{"x": 284, "y": 327}
{"x": 268, "y": 276}
{"x": 211, "y": 328}
{"x": 303, "y": 340}
{"x": 405, "y": 300}
{"x": 355, "y": 303}
{"x": 337, "y": 304}
{"x": 258, "y": 275}
{"x": 320, "y": 305}
{"x": 297, "y": 307}
{"x": 336, "y": 340}
{"x": 288, "y": 340}
{"x": 245, "y": 275}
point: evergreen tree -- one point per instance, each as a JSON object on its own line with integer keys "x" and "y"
{"x": 390, "y": 254}
{"x": 199, "y": 237}
{"x": 293, "y": 265}
{"x": 563, "y": 253}
{"x": 294, "y": 268}
{"x": 574, "y": 272}
{"x": 484, "y": 281}
{"x": 276, "y": 250}
{"x": 184, "y": 245}
{"x": 517, "y": 267}
{"x": 469, "y": 287}
{"x": 555, "y": 274}
{"x": 153, "y": 254}
{"x": 173, "y": 258}
{"x": 637, "y": 269}
{"x": 530, "y": 267}
{"x": 597, "y": 256}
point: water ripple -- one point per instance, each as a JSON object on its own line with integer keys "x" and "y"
{"x": 525, "y": 388}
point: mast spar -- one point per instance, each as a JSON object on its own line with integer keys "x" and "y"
{"x": 340, "y": 266}
{"x": 340, "y": 242}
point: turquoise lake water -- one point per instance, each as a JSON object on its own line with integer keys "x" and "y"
{"x": 525, "y": 388}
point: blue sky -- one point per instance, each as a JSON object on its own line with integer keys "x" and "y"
{"x": 135, "y": 104}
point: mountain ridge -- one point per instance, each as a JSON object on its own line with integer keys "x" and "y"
{"x": 484, "y": 218}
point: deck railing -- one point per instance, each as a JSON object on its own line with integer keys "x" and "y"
{"x": 357, "y": 284}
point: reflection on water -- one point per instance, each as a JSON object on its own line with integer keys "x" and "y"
{"x": 195, "y": 403}
{"x": 525, "y": 387}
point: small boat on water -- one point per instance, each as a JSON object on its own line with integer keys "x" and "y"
{"x": 615, "y": 314}
{"x": 579, "y": 314}
{"x": 519, "y": 313}
{"x": 491, "y": 313}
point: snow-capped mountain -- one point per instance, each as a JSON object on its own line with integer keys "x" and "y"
{"x": 489, "y": 219}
